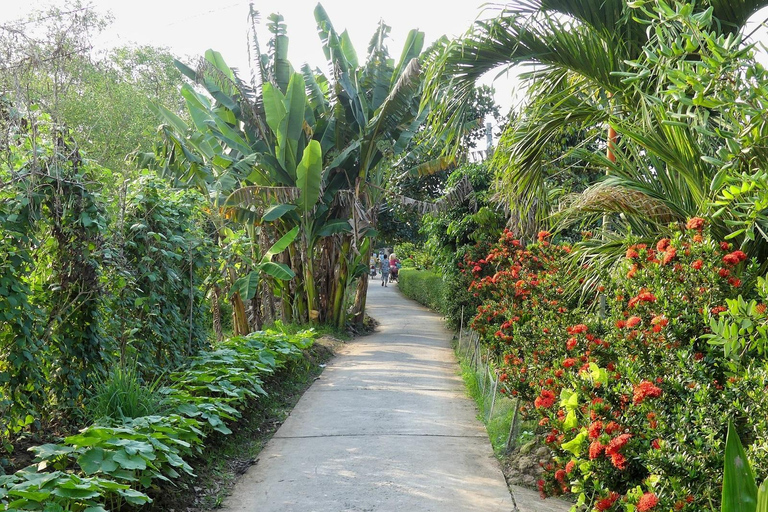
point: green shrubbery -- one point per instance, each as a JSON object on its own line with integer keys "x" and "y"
{"x": 631, "y": 403}
{"x": 423, "y": 286}
{"x": 116, "y": 461}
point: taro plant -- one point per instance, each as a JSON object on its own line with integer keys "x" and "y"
{"x": 115, "y": 463}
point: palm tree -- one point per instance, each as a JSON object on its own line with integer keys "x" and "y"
{"x": 581, "y": 50}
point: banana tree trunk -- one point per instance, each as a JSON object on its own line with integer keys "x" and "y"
{"x": 239, "y": 317}
{"x": 339, "y": 317}
{"x": 361, "y": 297}
{"x": 299, "y": 297}
{"x": 309, "y": 280}
{"x": 361, "y": 294}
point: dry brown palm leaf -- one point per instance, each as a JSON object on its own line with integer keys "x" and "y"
{"x": 615, "y": 199}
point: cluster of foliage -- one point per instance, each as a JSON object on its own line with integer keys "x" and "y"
{"x": 680, "y": 90}
{"x": 411, "y": 256}
{"x": 112, "y": 464}
{"x": 611, "y": 391}
{"x": 82, "y": 290}
{"x": 103, "y": 97}
{"x": 423, "y": 286}
{"x": 467, "y": 228}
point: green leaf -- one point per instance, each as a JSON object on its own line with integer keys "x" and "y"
{"x": 290, "y": 131}
{"x": 739, "y": 487}
{"x": 334, "y": 226}
{"x": 277, "y": 211}
{"x": 575, "y": 445}
{"x": 91, "y": 460}
{"x": 308, "y": 176}
{"x": 762, "y": 497}
{"x": 570, "y": 420}
{"x": 277, "y": 270}
{"x": 281, "y": 244}
{"x": 247, "y": 286}
{"x": 274, "y": 107}
{"x": 569, "y": 399}
{"x": 130, "y": 461}
{"x": 134, "y": 497}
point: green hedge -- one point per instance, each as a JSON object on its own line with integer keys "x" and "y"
{"x": 423, "y": 286}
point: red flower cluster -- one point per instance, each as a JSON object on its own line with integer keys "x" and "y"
{"x": 644, "y": 390}
{"x": 647, "y": 502}
{"x": 696, "y": 223}
{"x": 577, "y": 329}
{"x": 607, "y": 502}
{"x": 545, "y": 400}
{"x": 734, "y": 258}
{"x": 595, "y": 429}
{"x": 667, "y": 286}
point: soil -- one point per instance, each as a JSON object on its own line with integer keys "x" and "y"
{"x": 20, "y": 456}
{"x": 523, "y": 466}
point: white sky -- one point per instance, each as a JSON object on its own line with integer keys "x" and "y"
{"x": 189, "y": 27}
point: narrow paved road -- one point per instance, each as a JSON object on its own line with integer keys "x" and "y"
{"x": 387, "y": 427}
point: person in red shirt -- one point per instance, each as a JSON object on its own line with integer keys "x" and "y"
{"x": 394, "y": 265}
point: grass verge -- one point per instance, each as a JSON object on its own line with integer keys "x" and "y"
{"x": 498, "y": 424}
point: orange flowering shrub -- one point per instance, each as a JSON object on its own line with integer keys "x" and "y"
{"x": 631, "y": 405}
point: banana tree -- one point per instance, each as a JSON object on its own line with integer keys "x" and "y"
{"x": 367, "y": 114}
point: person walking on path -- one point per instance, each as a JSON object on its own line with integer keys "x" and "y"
{"x": 394, "y": 267}
{"x": 384, "y": 270}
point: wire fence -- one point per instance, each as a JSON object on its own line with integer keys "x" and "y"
{"x": 500, "y": 412}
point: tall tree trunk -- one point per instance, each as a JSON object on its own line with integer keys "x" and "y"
{"x": 216, "y": 311}
{"x": 339, "y": 314}
{"x": 299, "y": 296}
{"x": 361, "y": 296}
{"x": 239, "y": 317}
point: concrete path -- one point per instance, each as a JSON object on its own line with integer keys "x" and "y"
{"x": 387, "y": 427}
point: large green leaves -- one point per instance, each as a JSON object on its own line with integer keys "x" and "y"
{"x": 739, "y": 489}
{"x": 308, "y": 176}
{"x": 281, "y": 244}
{"x": 285, "y": 117}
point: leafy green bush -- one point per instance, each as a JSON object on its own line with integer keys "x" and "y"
{"x": 631, "y": 403}
{"x": 113, "y": 463}
{"x": 412, "y": 256}
{"x": 423, "y": 286}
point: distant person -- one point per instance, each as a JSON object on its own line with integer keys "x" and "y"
{"x": 384, "y": 270}
{"x": 394, "y": 266}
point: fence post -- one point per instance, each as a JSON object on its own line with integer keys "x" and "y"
{"x": 513, "y": 428}
{"x": 493, "y": 397}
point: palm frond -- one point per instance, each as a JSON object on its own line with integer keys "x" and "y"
{"x": 608, "y": 198}
{"x": 733, "y": 14}
{"x": 520, "y": 162}
{"x": 518, "y": 38}
{"x": 259, "y": 73}
{"x": 280, "y": 70}
{"x": 397, "y": 109}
